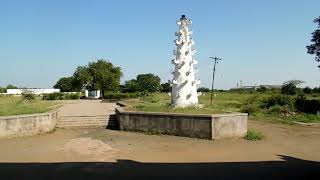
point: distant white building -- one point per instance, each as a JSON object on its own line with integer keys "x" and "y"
{"x": 30, "y": 90}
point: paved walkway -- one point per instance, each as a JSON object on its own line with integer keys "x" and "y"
{"x": 87, "y": 113}
{"x": 87, "y": 108}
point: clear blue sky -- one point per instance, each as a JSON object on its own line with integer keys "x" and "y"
{"x": 261, "y": 42}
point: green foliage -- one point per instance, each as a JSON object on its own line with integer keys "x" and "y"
{"x": 10, "y": 105}
{"x": 250, "y": 109}
{"x": 253, "y": 135}
{"x": 284, "y": 110}
{"x": 143, "y": 82}
{"x": 151, "y": 98}
{"x": 165, "y": 87}
{"x": 120, "y": 95}
{"x": 262, "y": 89}
{"x": 307, "y": 90}
{"x": 203, "y": 89}
{"x": 251, "y": 105}
{"x": 60, "y": 96}
{"x": 281, "y": 100}
{"x": 131, "y": 86}
{"x": 314, "y": 47}
{"x": 316, "y": 90}
{"x": 101, "y": 75}
{"x": 267, "y": 106}
{"x": 3, "y": 90}
{"x": 307, "y": 106}
{"x": 149, "y": 82}
{"x": 28, "y": 96}
{"x": 10, "y": 86}
{"x": 69, "y": 96}
{"x": 65, "y": 84}
{"x": 290, "y": 87}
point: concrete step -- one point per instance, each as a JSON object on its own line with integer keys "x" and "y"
{"x": 86, "y": 119}
{"x": 81, "y": 127}
{"x": 99, "y": 121}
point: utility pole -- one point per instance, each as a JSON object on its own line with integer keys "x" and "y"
{"x": 213, "y": 72}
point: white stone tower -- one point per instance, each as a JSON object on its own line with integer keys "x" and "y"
{"x": 184, "y": 83}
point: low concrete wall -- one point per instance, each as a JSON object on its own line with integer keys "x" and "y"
{"x": 26, "y": 125}
{"x": 189, "y": 125}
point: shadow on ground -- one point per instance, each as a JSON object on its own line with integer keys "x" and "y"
{"x": 289, "y": 168}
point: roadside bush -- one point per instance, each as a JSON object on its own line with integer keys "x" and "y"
{"x": 72, "y": 96}
{"x": 250, "y": 109}
{"x": 28, "y": 96}
{"x": 307, "y": 106}
{"x": 307, "y": 90}
{"x": 203, "y": 89}
{"x": 261, "y": 89}
{"x": 151, "y": 99}
{"x": 60, "y": 96}
{"x": 253, "y": 135}
{"x": 120, "y": 95}
{"x": 280, "y": 110}
{"x": 251, "y": 100}
{"x": 281, "y": 100}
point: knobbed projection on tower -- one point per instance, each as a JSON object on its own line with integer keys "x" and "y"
{"x": 184, "y": 83}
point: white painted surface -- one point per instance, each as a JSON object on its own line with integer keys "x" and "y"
{"x": 93, "y": 94}
{"x": 184, "y": 83}
{"x": 33, "y": 91}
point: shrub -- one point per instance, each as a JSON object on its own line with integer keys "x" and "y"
{"x": 120, "y": 95}
{"x": 28, "y": 96}
{"x": 60, "y": 96}
{"x": 290, "y": 87}
{"x": 281, "y": 100}
{"x": 72, "y": 96}
{"x": 203, "y": 89}
{"x": 253, "y": 135}
{"x": 307, "y": 90}
{"x": 251, "y": 100}
{"x": 262, "y": 89}
{"x": 280, "y": 110}
{"x": 151, "y": 99}
{"x": 307, "y": 106}
{"x": 250, "y": 109}
{"x": 316, "y": 90}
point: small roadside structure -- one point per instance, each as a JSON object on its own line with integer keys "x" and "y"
{"x": 92, "y": 94}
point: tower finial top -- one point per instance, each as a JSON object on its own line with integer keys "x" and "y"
{"x": 183, "y": 17}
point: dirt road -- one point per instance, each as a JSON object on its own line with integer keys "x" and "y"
{"x": 296, "y": 147}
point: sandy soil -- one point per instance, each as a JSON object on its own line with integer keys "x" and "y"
{"x": 107, "y": 145}
{"x": 288, "y": 151}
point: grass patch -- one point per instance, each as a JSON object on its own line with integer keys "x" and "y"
{"x": 253, "y": 135}
{"x": 253, "y": 103}
{"x": 10, "y": 105}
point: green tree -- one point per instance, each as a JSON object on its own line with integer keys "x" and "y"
{"x": 65, "y": 84}
{"x": 316, "y": 90}
{"x": 131, "y": 86}
{"x": 82, "y": 78}
{"x": 10, "y": 86}
{"x": 165, "y": 87}
{"x": 314, "y": 48}
{"x": 307, "y": 90}
{"x": 290, "y": 87}
{"x": 101, "y": 75}
{"x": 149, "y": 82}
{"x": 203, "y": 89}
{"x": 3, "y": 90}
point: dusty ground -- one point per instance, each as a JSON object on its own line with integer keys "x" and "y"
{"x": 298, "y": 146}
{"x": 86, "y": 108}
{"x": 70, "y": 145}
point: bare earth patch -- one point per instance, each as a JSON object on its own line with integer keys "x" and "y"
{"x": 95, "y": 150}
